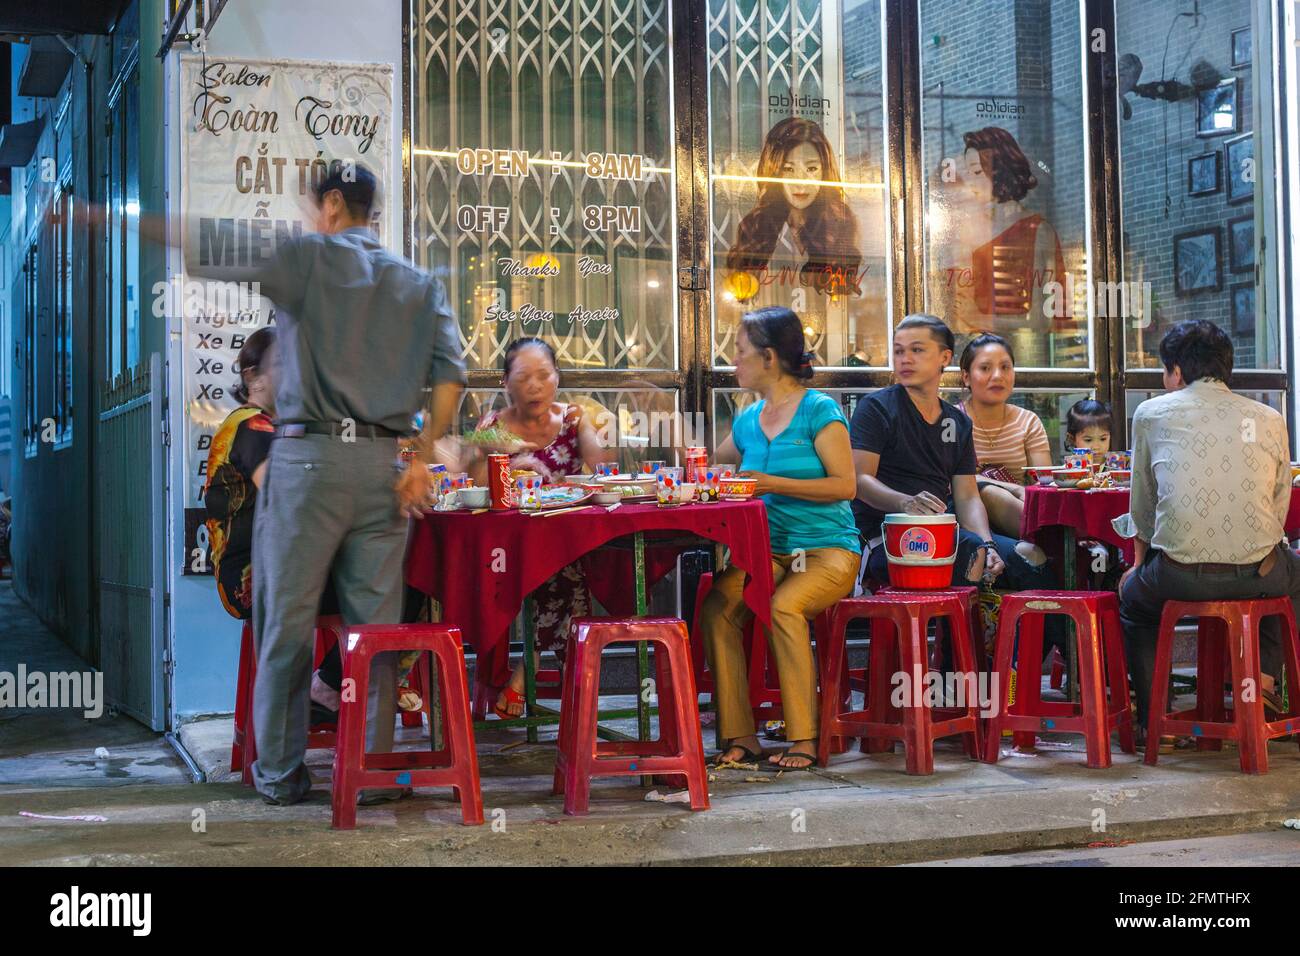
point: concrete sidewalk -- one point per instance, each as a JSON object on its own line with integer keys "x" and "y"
{"x": 861, "y": 810}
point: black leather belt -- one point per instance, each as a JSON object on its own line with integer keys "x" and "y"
{"x": 335, "y": 429}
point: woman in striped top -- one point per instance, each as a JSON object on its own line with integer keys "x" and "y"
{"x": 1008, "y": 438}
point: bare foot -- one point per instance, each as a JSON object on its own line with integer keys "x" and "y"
{"x": 511, "y": 706}
{"x": 323, "y": 694}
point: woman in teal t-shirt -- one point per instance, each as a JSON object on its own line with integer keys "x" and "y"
{"x": 795, "y": 442}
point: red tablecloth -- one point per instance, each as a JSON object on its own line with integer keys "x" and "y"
{"x": 1089, "y": 513}
{"x": 481, "y": 567}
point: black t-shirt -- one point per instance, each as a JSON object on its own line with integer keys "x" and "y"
{"x": 914, "y": 455}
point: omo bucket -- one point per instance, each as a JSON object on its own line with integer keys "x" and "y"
{"x": 921, "y": 550}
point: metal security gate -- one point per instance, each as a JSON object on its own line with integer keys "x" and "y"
{"x": 131, "y": 573}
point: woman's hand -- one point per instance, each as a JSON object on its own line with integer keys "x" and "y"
{"x": 764, "y": 484}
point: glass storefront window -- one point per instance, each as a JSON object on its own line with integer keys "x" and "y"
{"x": 542, "y": 161}
{"x": 1187, "y": 98}
{"x": 1004, "y": 161}
{"x": 797, "y": 173}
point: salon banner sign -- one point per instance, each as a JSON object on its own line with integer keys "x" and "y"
{"x": 256, "y": 137}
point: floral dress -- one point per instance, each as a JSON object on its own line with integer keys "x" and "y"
{"x": 565, "y": 595}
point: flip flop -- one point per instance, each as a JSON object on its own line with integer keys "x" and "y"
{"x": 747, "y": 755}
{"x": 513, "y": 697}
{"x": 777, "y": 768}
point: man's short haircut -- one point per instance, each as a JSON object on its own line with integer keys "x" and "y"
{"x": 355, "y": 183}
{"x": 1198, "y": 347}
{"x": 942, "y": 334}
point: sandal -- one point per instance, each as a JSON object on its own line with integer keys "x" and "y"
{"x": 512, "y": 697}
{"x": 811, "y": 758}
{"x": 746, "y": 755}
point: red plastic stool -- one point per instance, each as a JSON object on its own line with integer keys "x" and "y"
{"x": 455, "y": 765}
{"x": 917, "y": 726}
{"x": 244, "y": 749}
{"x": 968, "y": 593}
{"x": 679, "y": 751}
{"x": 1227, "y": 629}
{"x": 1101, "y": 665}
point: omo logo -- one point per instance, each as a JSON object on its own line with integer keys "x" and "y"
{"x": 918, "y": 542}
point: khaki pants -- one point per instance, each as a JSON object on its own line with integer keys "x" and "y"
{"x": 828, "y": 575}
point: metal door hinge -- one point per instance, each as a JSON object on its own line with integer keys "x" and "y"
{"x": 692, "y": 277}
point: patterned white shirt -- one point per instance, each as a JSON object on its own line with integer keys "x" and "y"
{"x": 1211, "y": 475}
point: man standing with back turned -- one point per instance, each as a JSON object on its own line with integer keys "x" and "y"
{"x": 361, "y": 335}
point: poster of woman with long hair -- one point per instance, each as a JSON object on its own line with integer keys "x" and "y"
{"x": 799, "y": 243}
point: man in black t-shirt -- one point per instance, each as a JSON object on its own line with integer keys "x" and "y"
{"x": 912, "y": 451}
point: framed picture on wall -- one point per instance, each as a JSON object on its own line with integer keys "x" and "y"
{"x": 1239, "y": 158}
{"x": 1216, "y": 109}
{"x": 1241, "y": 244}
{"x": 1240, "y": 48}
{"x": 1243, "y": 308}
{"x": 1203, "y": 174}
{"x": 1198, "y": 262}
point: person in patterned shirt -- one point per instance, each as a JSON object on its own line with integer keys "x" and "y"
{"x": 561, "y": 441}
{"x": 1210, "y": 491}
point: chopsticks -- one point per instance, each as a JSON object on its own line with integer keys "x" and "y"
{"x": 559, "y": 511}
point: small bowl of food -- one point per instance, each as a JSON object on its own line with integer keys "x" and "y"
{"x": 476, "y": 497}
{"x": 1069, "y": 477}
{"x": 737, "y": 489}
{"x": 1121, "y": 476}
{"x": 1040, "y": 474}
{"x": 607, "y": 496}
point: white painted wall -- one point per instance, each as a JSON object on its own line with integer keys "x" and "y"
{"x": 205, "y": 640}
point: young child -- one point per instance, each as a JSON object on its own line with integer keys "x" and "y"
{"x": 1087, "y": 425}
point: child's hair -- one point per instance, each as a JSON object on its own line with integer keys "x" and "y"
{"x": 1088, "y": 413}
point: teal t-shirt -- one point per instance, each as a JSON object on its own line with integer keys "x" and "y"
{"x": 794, "y": 522}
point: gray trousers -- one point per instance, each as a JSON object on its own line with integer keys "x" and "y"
{"x": 1142, "y": 599}
{"x": 325, "y": 503}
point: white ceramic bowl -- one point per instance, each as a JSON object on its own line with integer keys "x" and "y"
{"x": 607, "y": 497}
{"x": 475, "y": 497}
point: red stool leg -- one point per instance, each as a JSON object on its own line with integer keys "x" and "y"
{"x": 1029, "y": 673}
{"x": 1117, "y": 673}
{"x": 568, "y": 712}
{"x": 964, "y": 657}
{"x": 880, "y": 671}
{"x": 913, "y": 647}
{"x": 681, "y": 703}
{"x": 1002, "y": 652}
{"x": 1092, "y": 692}
{"x": 1248, "y": 714}
{"x": 1160, "y": 682}
{"x": 582, "y": 740}
{"x": 243, "y": 697}
{"x": 458, "y": 730}
{"x": 1211, "y": 654}
{"x": 350, "y": 746}
{"x": 831, "y": 651}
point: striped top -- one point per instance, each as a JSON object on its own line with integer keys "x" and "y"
{"x": 1010, "y": 446}
{"x": 794, "y": 522}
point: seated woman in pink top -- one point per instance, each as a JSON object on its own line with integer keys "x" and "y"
{"x": 1008, "y": 438}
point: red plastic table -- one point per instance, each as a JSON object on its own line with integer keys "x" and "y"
{"x": 1089, "y": 513}
{"x": 481, "y": 567}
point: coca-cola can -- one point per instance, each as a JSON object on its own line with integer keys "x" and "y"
{"x": 501, "y": 492}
